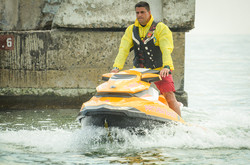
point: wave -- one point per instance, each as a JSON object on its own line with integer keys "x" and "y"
{"x": 219, "y": 130}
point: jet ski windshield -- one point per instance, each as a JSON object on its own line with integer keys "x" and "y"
{"x": 123, "y": 77}
{"x": 145, "y": 70}
{"x": 151, "y": 94}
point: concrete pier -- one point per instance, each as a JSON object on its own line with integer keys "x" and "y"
{"x": 58, "y": 56}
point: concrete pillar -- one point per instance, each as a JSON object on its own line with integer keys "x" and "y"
{"x": 60, "y": 67}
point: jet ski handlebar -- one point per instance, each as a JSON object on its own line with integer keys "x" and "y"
{"x": 145, "y": 70}
{"x": 147, "y": 75}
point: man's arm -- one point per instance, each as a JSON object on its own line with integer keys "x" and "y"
{"x": 125, "y": 46}
{"x": 166, "y": 44}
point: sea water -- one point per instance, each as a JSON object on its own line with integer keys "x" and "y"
{"x": 217, "y": 80}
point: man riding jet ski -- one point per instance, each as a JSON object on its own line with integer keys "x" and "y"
{"x": 152, "y": 43}
{"x": 127, "y": 100}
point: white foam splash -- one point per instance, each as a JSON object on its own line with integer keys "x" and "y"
{"x": 223, "y": 130}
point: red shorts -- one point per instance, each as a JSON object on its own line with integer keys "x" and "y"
{"x": 166, "y": 84}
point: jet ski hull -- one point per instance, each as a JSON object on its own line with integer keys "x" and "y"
{"x": 125, "y": 117}
{"x": 128, "y": 100}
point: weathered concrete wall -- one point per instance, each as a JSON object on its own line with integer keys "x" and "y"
{"x": 83, "y": 14}
{"x": 60, "y": 68}
{"x": 179, "y": 14}
{"x": 55, "y": 63}
{"x": 39, "y": 14}
{"x": 59, "y": 59}
{"x": 27, "y": 14}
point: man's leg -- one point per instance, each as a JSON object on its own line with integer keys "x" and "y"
{"x": 172, "y": 102}
{"x": 167, "y": 89}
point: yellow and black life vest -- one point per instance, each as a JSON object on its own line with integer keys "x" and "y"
{"x": 146, "y": 53}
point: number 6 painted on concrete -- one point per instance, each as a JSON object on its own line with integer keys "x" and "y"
{"x": 9, "y": 42}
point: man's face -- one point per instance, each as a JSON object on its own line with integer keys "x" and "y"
{"x": 142, "y": 15}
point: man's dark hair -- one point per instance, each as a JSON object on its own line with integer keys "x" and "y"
{"x": 143, "y": 4}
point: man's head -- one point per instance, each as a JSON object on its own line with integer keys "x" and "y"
{"x": 143, "y": 13}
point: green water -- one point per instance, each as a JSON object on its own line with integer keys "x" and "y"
{"x": 54, "y": 137}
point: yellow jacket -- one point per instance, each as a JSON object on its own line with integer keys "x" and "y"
{"x": 163, "y": 39}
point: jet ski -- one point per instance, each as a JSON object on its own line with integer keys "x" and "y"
{"x": 128, "y": 100}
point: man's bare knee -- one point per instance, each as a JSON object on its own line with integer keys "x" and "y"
{"x": 169, "y": 96}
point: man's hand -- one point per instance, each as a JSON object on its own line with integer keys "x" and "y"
{"x": 164, "y": 72}
{"x": 115, "y": 70}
